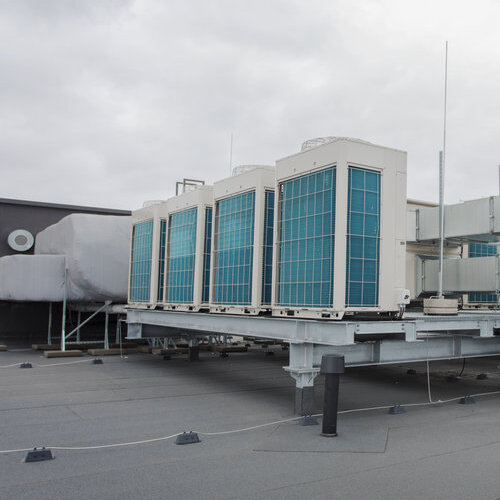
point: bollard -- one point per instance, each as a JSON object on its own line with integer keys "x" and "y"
{"x": 332, "y": 365}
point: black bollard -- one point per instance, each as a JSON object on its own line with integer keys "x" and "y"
{"x": 332, "y": 365}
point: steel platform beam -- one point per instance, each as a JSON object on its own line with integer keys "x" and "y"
{"x": 362, "y": 343}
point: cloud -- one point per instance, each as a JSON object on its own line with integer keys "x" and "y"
{"x": 108, "y": 103}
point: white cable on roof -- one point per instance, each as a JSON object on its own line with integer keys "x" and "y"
{"x": 234, "y": 431}
{"x": 67, "y": 363}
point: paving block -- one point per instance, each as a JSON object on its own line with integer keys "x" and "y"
{"x": 170, "y": 350}
{"x": 106, "y": 352}
{"x": 46, "y": 347}
{"x": 231, "y": 348}
{"x": 124, "y": 345}
{"x": 62, "y": 354}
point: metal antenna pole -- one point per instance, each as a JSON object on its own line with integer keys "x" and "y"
{"x": 441, "y": 223}
{"x": 442, "y": 160}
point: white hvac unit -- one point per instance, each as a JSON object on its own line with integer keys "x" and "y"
{"x": 241, "y": 272}
{"x": 147, "y": 256}
{"x": 187, "y": 251}
{"x": 340, "y": 230}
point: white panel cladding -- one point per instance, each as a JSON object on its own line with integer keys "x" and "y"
{"x": 462, "y": 275}
{"x": 38, "y": 278}
{"x": 475, "y": 219}
{"x": 96, "y": 251}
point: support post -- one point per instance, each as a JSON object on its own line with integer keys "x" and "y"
{"x": 106, "y": 330}
{"x": 78, "y": 320}
{"x": 194, "y": 350}
{"x": 118, "y": 339}
{"x": 301, "y": 370}
{"x": 332, "y": 365}
{"x": 49, "y": 330}
{"x": 63, "y": 329}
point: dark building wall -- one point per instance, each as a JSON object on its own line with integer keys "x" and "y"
{"x": 36, "y": 216}
{"x": 26, "y": 322}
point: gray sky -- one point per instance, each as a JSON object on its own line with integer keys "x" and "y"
{"x": 109, "y": 102}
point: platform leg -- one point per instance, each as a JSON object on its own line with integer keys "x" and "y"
{"x": 106, "y": 330}
{"x": 304, "y": 400}
{"x": 78, "y": 321}
{"x": 301, "y": 370}
{"x": 194, "y": 350}
{"x": 49, "y": 331}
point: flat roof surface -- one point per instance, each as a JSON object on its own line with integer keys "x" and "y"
{"x": 448, "y": 451}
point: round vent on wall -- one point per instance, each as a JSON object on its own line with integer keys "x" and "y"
{"x": 20, "y": 240}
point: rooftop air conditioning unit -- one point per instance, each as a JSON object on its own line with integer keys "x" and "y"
{"x": 241, "y": 274}
{"x": 187, "y": 254}
{"x": 340, "y": 230}
{"x": 147, "y": 256}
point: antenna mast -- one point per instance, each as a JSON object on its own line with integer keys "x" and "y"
{"x": 442, "y": 159}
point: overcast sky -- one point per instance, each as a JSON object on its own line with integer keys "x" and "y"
{"x": 109, "y": 102}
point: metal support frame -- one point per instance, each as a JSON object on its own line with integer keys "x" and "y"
{"x": 362, "y": 343}
{"x": 77, "y": 329}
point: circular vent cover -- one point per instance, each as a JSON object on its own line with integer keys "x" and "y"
{"x": 20, "y": 240}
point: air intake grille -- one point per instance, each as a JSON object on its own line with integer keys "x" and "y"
{"x": 234, "y": 237}
{"x": 307, "y": 240}
{"x": 140, "y": 278}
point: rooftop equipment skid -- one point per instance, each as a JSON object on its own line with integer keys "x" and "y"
{"x": 340, "y": 231}
{"x": 188, "y": 246}
{"x": 241, "y": 272}
{"x": 147, "y": 257}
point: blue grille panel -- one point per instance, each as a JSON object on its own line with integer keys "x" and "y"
{"x": 161, "y": 259}
{"x": 234, "y": 250}
{"x": 267, "y": 262}
{"x": 181, "y": 256}
{"x": 206, "y": 255}
{"x": 140, "y": 273}
{"x": 482, "y": 250}
{"x": 363, "y": 238}
{"x": 307, "y": 240}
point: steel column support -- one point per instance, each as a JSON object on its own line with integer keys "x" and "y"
{"x": 194, "y": 350}
{"x": 49, "y": 331}
{"x": 63, "y": 328}
{"x": 302, "y": 371}
{"x": 78, "y": 320}
{"x": 106, "y": 330}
